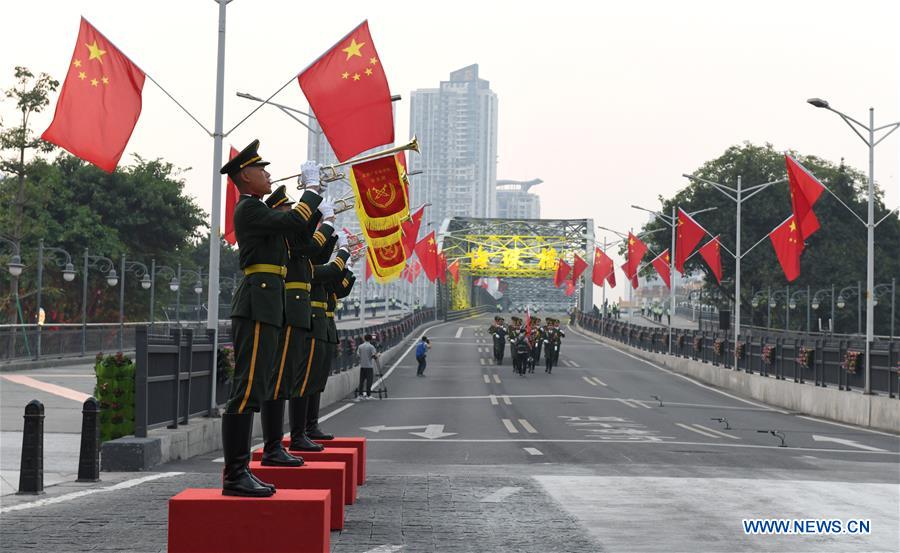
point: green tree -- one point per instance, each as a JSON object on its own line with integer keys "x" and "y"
{"x": 836, "y": 254}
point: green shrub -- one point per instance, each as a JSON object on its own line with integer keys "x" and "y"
{"x": 115, "y": 392}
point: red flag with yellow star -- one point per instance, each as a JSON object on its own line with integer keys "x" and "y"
{"x": 689, "y": 235}
{"x": 349, "y": 95}
{"x": 805, "y": 191}
{"x": 578, "y": 267}
{"x": 636, "y": 251}
{"x": 426, "y": 251}
{"x": 788, "y": 246}
{"x": 603, "y": 267}
{"x": 661, "y": 264}
{"x": 712, "y": 256}
{"x": 562, "y": 271}
{"x": 100, "y": 101}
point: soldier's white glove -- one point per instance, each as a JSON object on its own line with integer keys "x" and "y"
{"x": 309, "y": 175}
{"x": 342, "y": 240}
{"x": 326, "y": 208}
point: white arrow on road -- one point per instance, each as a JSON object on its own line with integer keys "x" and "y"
{"x": 432, "y": 431}
{"x": 849, "y": 443}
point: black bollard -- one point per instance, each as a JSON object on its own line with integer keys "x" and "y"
{"x": 31, "y": 473}
{"x": 89, "y": 457}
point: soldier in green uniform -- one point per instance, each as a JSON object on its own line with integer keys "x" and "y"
{"x": 498, "y": 334}
{"x": 294, "y": 337}
{"x": 257, "y": 309}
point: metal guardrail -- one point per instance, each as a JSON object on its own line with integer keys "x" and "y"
{"x": 463, "y": 313}
{"x": 824, "y": 367}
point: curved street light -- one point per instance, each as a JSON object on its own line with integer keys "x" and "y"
{"x": 68, "y": 272}
{"x": 849, "y": 292}
{"x": 105, "y": 265}
{"x": 140, "y": 270}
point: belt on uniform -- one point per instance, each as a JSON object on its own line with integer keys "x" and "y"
{"x": 319, "y": 304}
{"x": 298, "y": 286}
{"x": 330, "y": 314}
{"x": 265, "y": 268}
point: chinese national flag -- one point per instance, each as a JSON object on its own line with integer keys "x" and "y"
{"x": 442, "y": 268}
{"x": 603, "y": 266}
{"x": 688, "y": 236}
{"x": 611, "y": 277}
{"x": 453, "y": 269}
{"x": 231, "y": 199}
{"x": 348, "y": 92}
{"x": 661, "y": 264}
{"x": 632, "y": 277}
{"x": 426, "y": 251}
{"x": 570, "y": 287}
{"x": 636, "y": 251}
{"x": 578, "y": 267}
{"x": 411, "y": 230}
{"x": 710, "y": 252}
{"x": 100, "y": 101}
{"x": 788, "y": 246}
{"x": 562, "y": 270}
{"x": 805, "y": 191}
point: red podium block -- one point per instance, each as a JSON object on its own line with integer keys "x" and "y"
{"x": 358, "y": 443}
{"x": 348, "y": 456}
{"x": 311, "y": 476}
{"x": 205, "y": 521}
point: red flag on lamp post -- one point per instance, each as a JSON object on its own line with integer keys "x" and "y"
{"x": 788, "y": 245}
{"x": 603, "y": 266}
{"x": 570, "y": 287}
{"x": 712, "y": 256}
{"x": 689, "y": 234}
{"x": 453, "y": 269}
{"x": 805, "y": 191}
{"x": 348, "y": 92}
{"x": 562, "y": 270}
{"x": 578, "y": 267}
{"x": 410, "y": 228}
{"x": 231, "y": 199}
{"x": 632, "y": 278}
{"x": 100, "y": 101}
{"x": 636, "y": 251}
{"x": 426, "y": 251}
{"x": 661, "y": 264}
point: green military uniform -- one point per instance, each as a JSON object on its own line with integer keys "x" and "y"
{"x": 498, "y": 334}
{"x": 257, "y": 314}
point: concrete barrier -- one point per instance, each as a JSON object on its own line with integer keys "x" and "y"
{"x": 851, "y": 407}
{"x": 204, "y": 435}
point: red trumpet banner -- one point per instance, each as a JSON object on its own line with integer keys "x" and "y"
{"x": 381, "y": 197}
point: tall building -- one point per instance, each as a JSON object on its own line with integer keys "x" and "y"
{"x": 515, "y": 202}
{"x": 456, "y": 125}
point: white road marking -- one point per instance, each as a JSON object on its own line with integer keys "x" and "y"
{"x": 481, "y": 360}
{"x": 527, "y": 426}
{"x": 626, "y": 402}
{"x": 506, "y": 400}
{"x": 494, "y": 399}
{"x": 598, "y": 381}
{"x": 497, "y": 378}
{"x": 641, "y": 403}
{"x": 459, "y": 332}
{"x": 487, "y": 380}
{"x": 683, "y": 377}
{"x": 692, "y": 429}
{"x": 501, "y": 494}
{"x": 814, "y": 419}
{"x": 573, "y": 364}
{"x": 386, "y": 549}
{"x": 846, "y": 442}
{"x": 75, "y": 495}
{"x": 589, "y": 381}
{"x": 788, "y": 450}
{"x": 532, "y": 451}
{"x": 324, "y": 418}
{"x": 714, "y": 431}
{"x": 510, "y": 427}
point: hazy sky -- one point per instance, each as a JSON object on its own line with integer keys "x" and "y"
{"x": 608, "y": 103}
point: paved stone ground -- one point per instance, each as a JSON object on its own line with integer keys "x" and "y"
{"x": 423, "y": 513}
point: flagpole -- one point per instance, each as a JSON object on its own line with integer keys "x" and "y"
{"x": 737, "y": 275}
{"x": 674, "y": 225}
{"x": 604, "y": 279}
{"x": 212, "y": 302}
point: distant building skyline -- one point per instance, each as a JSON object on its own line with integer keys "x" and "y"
{"x": 514, "y": 201}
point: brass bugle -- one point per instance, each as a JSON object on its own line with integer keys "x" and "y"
{"x": 344, "y": 204}
{"x": 328, "y": 173}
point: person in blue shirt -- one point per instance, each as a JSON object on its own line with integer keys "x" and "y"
{"x": 422, "y": 351}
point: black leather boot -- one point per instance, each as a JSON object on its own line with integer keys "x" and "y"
{"x": 274, "y": 454}
{"x": 313, "y": 432}
{"x": 236, "y": 477}
{"x": 299, "y": 441}
{"x": 250, "y": 449}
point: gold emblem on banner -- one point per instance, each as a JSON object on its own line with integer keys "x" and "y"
{"x": 382, "y": 197}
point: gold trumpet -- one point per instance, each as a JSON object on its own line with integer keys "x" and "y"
{"x": 344, "y": 204}
{"x": 328, "y": 173}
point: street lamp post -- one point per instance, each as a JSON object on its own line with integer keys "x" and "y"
{"x": 736, "y": 194}
{"x": 174, "y": 285}
{"x": 15, "y": 267}
{"x": 848, "y": 292}
{"x": 885, "y": 289}
{"x": 672, "y": 222}
{"x": 792, "y": 304}
{"x": 68, "y": 275}
{"x": 104, "y": 264}
{"x": 817, "y": 298}
{"x": 754, "y": 303}
{"x": 870, "y": 129}
{"x": 140, "y": 270}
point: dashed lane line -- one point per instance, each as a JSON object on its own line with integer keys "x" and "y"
{"x": 506, "y": 400}
{"x": 494, "y": 400}
{"x": 481, "y": 360}
{"x": 532, "y": 451}
{"x": 527, "y": 426}
{"x": 598, "y": 381}
{"x": 626, "y": 402}
{"x": 588, "y": 380}
{"x": 692, "y": 429}
{"x": 641, "y": 403}
{"x": 459, "y": 332}
{"x": 510, "y": 427}
{"x": 714, "y": 431}
{"x": 500, "y": 495}
{"x": 497, "y": 378}
{"x": 487, "y": 379}
{"x": 573, "y": 364}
